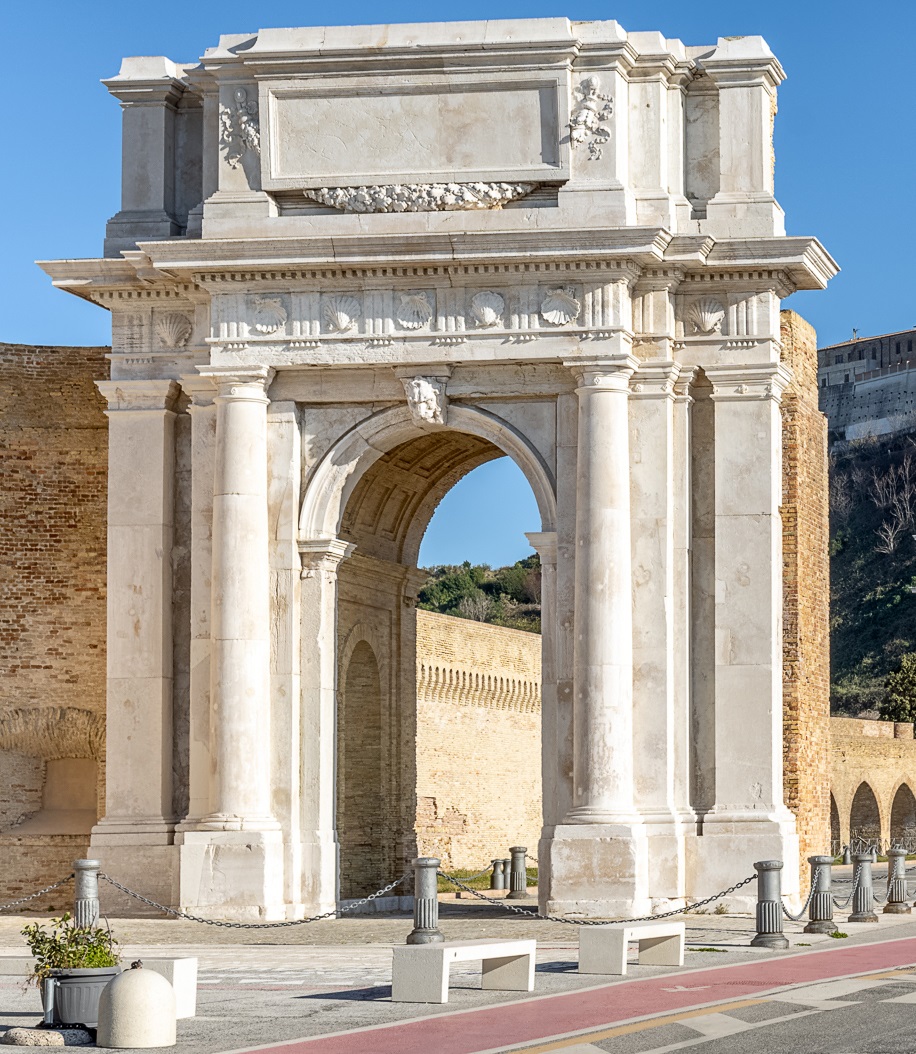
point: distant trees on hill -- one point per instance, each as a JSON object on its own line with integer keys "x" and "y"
{"x": 507, "y": 596}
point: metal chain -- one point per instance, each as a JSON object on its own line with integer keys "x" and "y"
{"x": 855, "y": 885}
{"x": 592, "y": 922}
{"x": 797, "y": 918}
{"x": 35, "y": 896}
{"x": 260, "y": 925}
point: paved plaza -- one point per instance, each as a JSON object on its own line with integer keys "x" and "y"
{"x": 320, "y": 986}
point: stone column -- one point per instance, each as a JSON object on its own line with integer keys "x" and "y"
{"x": 203, "y": 443}
{"x": 655, "y": 728}
{"x": 747, "y": 75}
{"x": 134, "y": 838}
{"x": 598, "y": 855}
{"x": 749, "y": 819}
{"x": 321, "y": 559}
{"x": 249, "y": 857}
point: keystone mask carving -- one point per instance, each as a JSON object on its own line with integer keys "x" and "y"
{"x": 426, "y": 399}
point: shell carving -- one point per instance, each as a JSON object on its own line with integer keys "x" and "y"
{"x": 487, "y": 309}
{"x": 173, "y": 330}
{"x": 340, "y": 313}
{"x": 269, "y": 314}
{"x": 414, "y": 310}
{"x": 706, "y": 316}
{"x": 560, "y": 307}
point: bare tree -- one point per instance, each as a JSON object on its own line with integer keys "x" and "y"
{"x": 841, "y": 499}
{"x": 478, "y": 606}
{"x": 889, "y": 535}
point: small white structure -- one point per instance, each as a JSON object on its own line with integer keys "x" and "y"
{"x": 351, "y": 265}
{"x": 182, "y": 976}
{"x": 137, "y": 1009}
{"x": 420, "y": 973}
{"x": 603, "y": 949}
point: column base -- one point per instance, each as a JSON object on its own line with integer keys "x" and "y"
{"x": 744, "y": 216}
{"x": 320, "y": 869}
{"x": 726, "y": 851}
{"x": 665, "y": 834}
{"x": 598, "y": 870}
{"x": 232, "y": 875}
{"x": 139, "y": 856}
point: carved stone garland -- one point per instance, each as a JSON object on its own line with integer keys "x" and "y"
{"x": 420, "y": 197}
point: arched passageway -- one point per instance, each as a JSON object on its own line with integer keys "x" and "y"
{"x": 360, "y": 802}
{"x": 903, "y": 818}
{"x": 864, "y": 816}
{"x": 835, "y": 833}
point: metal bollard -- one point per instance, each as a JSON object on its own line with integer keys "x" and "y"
{"x": 86, "y": 892}
{"x": 498, "y": 878}
{"x": 820, "y": 907}
{"x": 425, "y": 902}
{"x": 518, "y": 877}
{"x": 874, "y": 854}
{"x": 769, "y": 906}
{"x": 847, "y": 856}
{"x": 47, "y": 1000}
{"x": 863, "y": 900}
{"x": 896, "y": 884}
{"x": 507, "y": 874}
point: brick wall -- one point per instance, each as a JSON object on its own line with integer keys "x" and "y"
{"x": 53, "y": 467}
{"x": 478, "y": 740}
{"x": 806, "y": 597}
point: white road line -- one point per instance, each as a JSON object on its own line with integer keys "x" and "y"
{"x": 713, "y": 1026}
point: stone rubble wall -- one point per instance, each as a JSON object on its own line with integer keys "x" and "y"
{"x": 478, "y": 740}
{"x": 53, "y": 501}
{"x": 806, "y": 593}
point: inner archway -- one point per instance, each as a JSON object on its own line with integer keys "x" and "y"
{"x": 903, "y": 818}
{"x": 835, "y": 834}
{"x": 444, "y": 715}
{"x": 864, "y": 816}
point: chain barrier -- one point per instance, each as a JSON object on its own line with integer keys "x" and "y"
{"x": 534, "y": 913}
{"x": 260, "y": 925}
{"x": 35, "y": 896}
{"x": 797, "y": 918}
{"x": 841, "y": 904}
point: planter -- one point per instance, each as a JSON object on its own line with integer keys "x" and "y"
{"x": 76, "y": 994}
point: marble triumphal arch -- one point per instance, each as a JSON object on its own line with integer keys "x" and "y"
{"x": 351, "y": 265}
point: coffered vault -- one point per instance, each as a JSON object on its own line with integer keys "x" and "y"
{"x": 354, "y": 263}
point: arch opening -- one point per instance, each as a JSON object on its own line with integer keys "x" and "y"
{"x": 903, "y": 818}
{"x": 835, "y": 833}
{"x": 864, "y": 818}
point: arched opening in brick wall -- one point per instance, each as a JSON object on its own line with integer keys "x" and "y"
{"x": 835, "y": 834}
{"x": 361, "y": 805}
{"x": 864, "y": 816}
{"x": 903, "y": 818}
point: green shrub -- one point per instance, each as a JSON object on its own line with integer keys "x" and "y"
{"x": 67, "y": 946}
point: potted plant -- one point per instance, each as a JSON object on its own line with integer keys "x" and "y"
{"x": 80, "y": 960}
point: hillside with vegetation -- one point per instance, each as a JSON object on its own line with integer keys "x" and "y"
{"x": 507, "y": 596}
{"x": 872, "y": 568}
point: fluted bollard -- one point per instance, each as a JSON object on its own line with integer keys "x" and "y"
{"x": 847, "y": 856}
{"x": 769, "y": 905}
{"x": 498, "y": 878}
{"x": 863, "y": 899}
{"x": 507, "y": 874}
{"x": 425, "y": 902}
{"x": 896, "y": 883}
{"x": 86, "y": 892}
{"x": 820, "y": 907}
{"x": 518, "y": 876}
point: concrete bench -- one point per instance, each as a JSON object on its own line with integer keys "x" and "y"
{"x": 603, "y": 949}
{"x": 419, "y": 973}
{"x": 180, "y": 973}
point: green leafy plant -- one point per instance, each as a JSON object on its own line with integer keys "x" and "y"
{"x": 837, "y": 934}
{"x": 899, "y": 702}
{"x": 720, "y": 951}
{"x": 721, "y": 909}
{"x": 66, "y": 946}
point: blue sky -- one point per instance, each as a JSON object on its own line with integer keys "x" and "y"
{"x": 845, "y": 151}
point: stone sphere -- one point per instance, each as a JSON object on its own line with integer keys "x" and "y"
{"x": 137, "y": 1009}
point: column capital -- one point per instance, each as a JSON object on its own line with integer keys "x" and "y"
{"x": 612, "y": 374}
{"x": 654, "y": 380}
{"x": 239, "y": 383}
{"x": 323, "y": 554}
{"x": 749, "y": 382}
{"x": 139, "y": 395}
{"x": 544, "y": 544}
{"x": 744, "y": 62}
{"x": 683, "y": 383}
{"x": 200, "y": 390}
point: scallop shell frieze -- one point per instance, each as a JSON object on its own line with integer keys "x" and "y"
{"x": 706, "y": 316}
{"x": 487, "y": 309}
{"x": 173, "y": 330}
{"x": 560, "y": 307}
{"x": 414, "y": 310}
{"x": 269, "y": 314}
{"x": 340, "y": 313}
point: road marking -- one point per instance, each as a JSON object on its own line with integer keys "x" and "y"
{"x": 687, "y": 988}
{"x": 713, "y": 1026}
